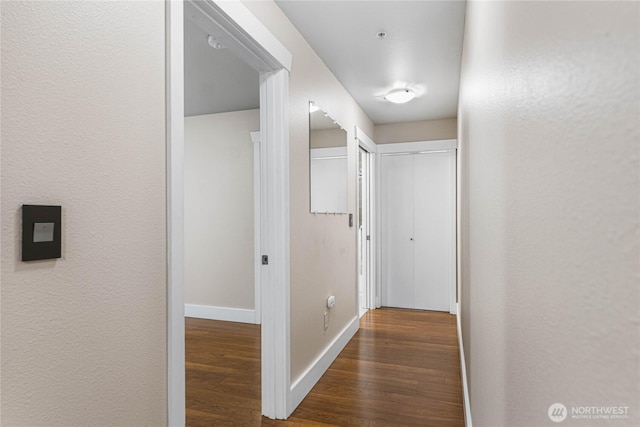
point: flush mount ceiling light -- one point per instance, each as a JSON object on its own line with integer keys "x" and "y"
{"x": 400, "y": 96}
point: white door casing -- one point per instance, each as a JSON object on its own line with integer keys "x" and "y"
{"x": 364, "y": 230}
{"x": 233, "y": 25}
{"x": 370, "y": 282}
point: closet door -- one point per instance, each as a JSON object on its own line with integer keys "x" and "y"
{"x": 397, "y": 230}
{"x": 433, "y": 238}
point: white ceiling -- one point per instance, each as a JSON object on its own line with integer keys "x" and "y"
{"x": 422, "y": 51}
{"x": 215, "y": 80}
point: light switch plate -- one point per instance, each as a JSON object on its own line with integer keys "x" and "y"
{"x": 41, "y": 232}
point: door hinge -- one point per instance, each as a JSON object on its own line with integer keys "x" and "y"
{"x": 265, "y": 259}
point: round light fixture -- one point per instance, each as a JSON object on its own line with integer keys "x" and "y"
{"x": 400, "y": 96}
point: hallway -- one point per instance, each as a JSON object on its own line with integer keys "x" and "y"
{"x": 401, "y": 369}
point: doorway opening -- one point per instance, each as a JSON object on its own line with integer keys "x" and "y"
{"x": 364, "y": 229}
{"x": 418, "y": 219}
{"x": 222, "y": 189}
{"x": 222, "y": 180}
{"x": 232, "y": 25}
{"x": 368, "y": 296}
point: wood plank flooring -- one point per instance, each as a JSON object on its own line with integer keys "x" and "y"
{"x": 401, "y": 369}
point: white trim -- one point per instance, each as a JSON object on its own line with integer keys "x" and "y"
{"x": 274, "y": 130}
{"x": 378, "y": 228}
{"x": 418, "y": 146}
{"x": 376, "y": 281}
{"x": 463, "y": 373}
{"x": 373, "y": 300}
{"x": 257, "y": 238}
{"x": 365, "y": 142}
{"x": 234, "y": 25}
{"x": 255, "y": 137}
{"x": 303, "y": 385}
{"x": 175, "y": 213}
{"x": 453, "y": 303}
{"x": 374, "y": 243}
{"x": 226, "y": 314}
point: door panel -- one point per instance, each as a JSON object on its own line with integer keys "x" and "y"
{"x": 397, "y": 230}
{"x": 432, "y": 230}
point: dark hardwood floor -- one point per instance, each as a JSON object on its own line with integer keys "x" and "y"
{"x": 401, "y": 369}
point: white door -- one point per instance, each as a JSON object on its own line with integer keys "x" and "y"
{"x": 397, "y": 230}
{"x": 432, "y": 230}
{"x": 417, "y": 215}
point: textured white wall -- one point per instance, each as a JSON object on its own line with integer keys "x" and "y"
{"x": 426, "y": 130}
{"x": 219, "y": 238}
{"x": 323, "y": 247}
{"x": 549, "y": 130}
{"x": 84, "y": 336}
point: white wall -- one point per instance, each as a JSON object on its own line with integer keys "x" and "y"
{"x": 83, "y": 119}
{"x": 323, "y": 247}
{"x": 219, "y": 229}
{"x": 549, "y": 133}
{"x": 426, "y": 130}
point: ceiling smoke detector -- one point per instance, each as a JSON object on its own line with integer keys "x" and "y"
{"x": 214, "y": 43}
{"x": 381, "y": 35}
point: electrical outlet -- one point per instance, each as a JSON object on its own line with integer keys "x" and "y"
{"x": 326, "y": 320}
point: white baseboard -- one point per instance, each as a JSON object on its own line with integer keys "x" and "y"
{"x": 463, "y": 369}
{"x": 220, "y": 313}
{"x": 303, "y": 385}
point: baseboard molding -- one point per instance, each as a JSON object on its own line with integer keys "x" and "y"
{"x": 463, "y": 372}
{"x": 220, "y": 313}
{"x": 303, "y": 385}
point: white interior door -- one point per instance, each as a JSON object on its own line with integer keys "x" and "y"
{"x": 432, "y": 230}
{"x": 417, "y": 214}
{"x": 397, "y": 180}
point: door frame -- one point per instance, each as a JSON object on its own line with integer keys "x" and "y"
{"x": 373, "y": 284}
{"x": 424, "y": 147}
{"x": 240, "y": 31}
{"x": 363, "y": 229}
